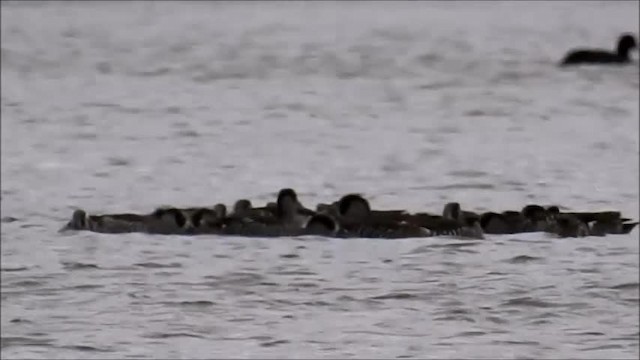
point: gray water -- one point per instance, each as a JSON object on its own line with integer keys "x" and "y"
{"x": 116, "y": 106}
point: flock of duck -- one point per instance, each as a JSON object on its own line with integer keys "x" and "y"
{"x": 350, "y": 216}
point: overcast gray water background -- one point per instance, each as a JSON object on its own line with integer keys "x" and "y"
{"x": 119, "y": 106}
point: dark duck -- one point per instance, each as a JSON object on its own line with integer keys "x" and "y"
{"x": 356, "y": 220}
{"x": 626, "y": 43}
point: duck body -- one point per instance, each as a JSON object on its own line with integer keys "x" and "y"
{"x": 589, "y": 56}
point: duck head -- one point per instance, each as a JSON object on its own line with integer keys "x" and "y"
{"x": 354, "y": 208}
{"x": 626, "y": 42}
{"x": 242, "y": 206}
{"x": 287, "y": 203}
{"x": 79, "y": 221}
{"x": 452, "y": 211}
{"x": 220, "y": 210}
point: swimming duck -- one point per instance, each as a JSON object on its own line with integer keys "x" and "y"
{"x": 605, "y": 222}
{"x": 354, "y": 218}
{"x": 626, "y": 42}
{"x": 382, "y": 215}
{"x": 568, "y": 225}
{"x": 111, "y": 224}
{"x": 452, "y": 210}
{"x": 468, "y": 221}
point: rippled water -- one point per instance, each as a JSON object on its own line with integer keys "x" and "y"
{"x": 127, "y": 106}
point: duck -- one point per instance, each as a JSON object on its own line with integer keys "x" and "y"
{"x": 355, "y": 220}
{"x": 389, "y": 215}
{"x": 569, "y": 225}
{"x": 626, "y": 42}
{"x": 468, "y": 221}
{"x": 355, "y": 211}
{"x": 452, "y": 210}
{"x": 604, "y": 222}
{"x": 110, "y": 224}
